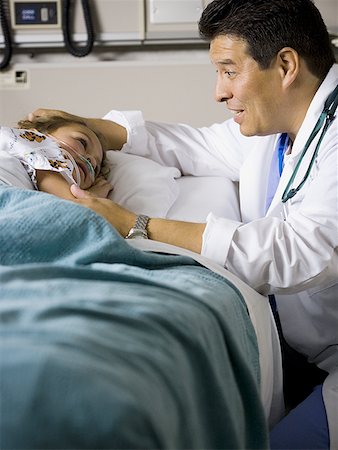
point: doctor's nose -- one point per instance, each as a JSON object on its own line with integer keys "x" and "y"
{"x": 222, "y": 93}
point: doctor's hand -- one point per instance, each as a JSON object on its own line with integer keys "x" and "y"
{"x": 121, "y": 219}
{"x": 46, "y": 113}
{"x": 111, "y": 135}
{"x": 182, "y": 234}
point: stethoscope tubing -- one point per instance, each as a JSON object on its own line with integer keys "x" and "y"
{"x": 327, "y": 116}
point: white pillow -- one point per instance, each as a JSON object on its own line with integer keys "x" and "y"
{"x": 12, "y": 172}
{"x": 141, "y": 185}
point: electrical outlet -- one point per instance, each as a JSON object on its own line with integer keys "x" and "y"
{"x": 14, "y": 79}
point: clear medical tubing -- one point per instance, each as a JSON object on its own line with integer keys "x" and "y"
{"x": 67, "y": 154}
{"x": 76, "y": 169}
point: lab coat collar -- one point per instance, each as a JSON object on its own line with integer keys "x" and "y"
{"x": 315, "y": 109}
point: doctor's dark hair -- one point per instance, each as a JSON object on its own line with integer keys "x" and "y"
{"x": 269, "y": 25}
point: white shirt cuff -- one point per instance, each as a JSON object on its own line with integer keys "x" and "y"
{"x": 217, "y": 238}
{"x": 134, "y": 123}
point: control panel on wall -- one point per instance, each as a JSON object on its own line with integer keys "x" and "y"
{"x": 42, "y": 22}
{"x": 37, "y": 14}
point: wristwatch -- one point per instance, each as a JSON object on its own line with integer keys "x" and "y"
{"x": 139, "y": 230}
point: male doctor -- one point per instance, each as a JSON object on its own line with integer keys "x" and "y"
{"x": 276, "y": 73}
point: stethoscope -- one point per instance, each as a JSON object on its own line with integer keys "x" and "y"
{"x": 326, "y": 118}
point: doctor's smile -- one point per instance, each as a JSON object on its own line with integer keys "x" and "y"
{"x": 237, "y": 114}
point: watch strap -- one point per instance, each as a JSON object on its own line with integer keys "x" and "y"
{"x": 139, "y": 230}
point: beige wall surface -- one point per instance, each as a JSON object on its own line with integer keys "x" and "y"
{"x": 173, "y": 89}
{"x": 167, "y": 85}
{"x": 329, "y": 11}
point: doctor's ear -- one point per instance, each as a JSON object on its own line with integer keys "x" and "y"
{"x": 288, "y": 63}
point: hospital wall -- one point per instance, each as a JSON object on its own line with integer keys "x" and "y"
{"x": 169, "y": 80}
{"x": 166, "y": 85}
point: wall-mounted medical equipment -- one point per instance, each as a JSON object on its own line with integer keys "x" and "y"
{"x": 39, "y": 23}
{"x": 78, "y": 25}
{"x": 41, "y": 15}
{"x": 7, "y": 36}
{"x": 173, "y": 19}
{"x": 36, "y": 14}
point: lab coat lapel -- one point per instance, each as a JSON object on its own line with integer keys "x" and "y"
{"x": 254, "y": 178}
{"x": 311, "y": 117}
{"x": 276, "y": 207}
{"x": 255, "y": 172}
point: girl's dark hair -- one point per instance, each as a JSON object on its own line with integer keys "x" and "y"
{"x": 269, "y": 25}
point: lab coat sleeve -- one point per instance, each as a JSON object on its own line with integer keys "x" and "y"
{"x": 285, "y": 256}
{"x": 217, "y": 238}
{"x": 207, "y": 151}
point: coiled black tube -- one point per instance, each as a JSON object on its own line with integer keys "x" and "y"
{"x": 4, "y": 63}
{"x": 78, "y": 51}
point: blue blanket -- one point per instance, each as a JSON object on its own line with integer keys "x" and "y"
{"x": 107, "y": 347}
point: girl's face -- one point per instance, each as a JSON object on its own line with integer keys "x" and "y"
{"x": 83, "y": 144}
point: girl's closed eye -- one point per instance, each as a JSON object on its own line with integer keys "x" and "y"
{"x": 83, "y": 142}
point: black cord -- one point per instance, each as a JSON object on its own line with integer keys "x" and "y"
{"x": 78, "y": 51}
{"x": 7, "y": 36}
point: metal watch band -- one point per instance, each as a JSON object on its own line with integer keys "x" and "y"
{"x": 139, "y": 230}
{"x": 141, "y": 222}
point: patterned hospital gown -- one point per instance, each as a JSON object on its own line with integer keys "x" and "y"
{"x": 36, "y": 151}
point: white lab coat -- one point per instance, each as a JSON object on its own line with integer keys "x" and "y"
{"x": 291, "y": 253}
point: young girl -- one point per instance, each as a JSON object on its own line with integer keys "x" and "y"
{"x": 57, "y": 152}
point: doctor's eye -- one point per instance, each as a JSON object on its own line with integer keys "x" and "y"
{"x": 230, "y": 74}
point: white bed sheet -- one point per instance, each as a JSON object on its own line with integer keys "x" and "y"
{"x": 145, "y": 187}
{"x": 198, "y": 196}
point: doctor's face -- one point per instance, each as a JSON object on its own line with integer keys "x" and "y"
{"x": 250, "y": 93}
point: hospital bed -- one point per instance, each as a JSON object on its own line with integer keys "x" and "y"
{"x": 108, "y": 343}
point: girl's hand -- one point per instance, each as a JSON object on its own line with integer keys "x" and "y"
{"x": 101, "y": 188}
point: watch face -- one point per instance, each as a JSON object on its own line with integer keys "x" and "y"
{"x": 137, "y": 233}
{"x": 139, "y": 230}
{"x": 138, "y": 236}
